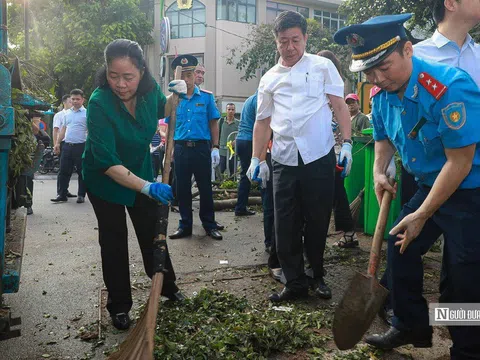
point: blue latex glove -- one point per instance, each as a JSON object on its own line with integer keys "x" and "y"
{"x": 334, "y": 126}
{"x": 178, "y": 87}
{"x": 261, "y": 174}
{"x": 158, "y": 191}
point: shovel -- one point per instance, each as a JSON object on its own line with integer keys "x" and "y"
{"x": 139, "y": 344}
{"x": 365, "y": 296}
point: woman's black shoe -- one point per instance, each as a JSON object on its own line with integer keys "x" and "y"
{"x": 121, "y": 321}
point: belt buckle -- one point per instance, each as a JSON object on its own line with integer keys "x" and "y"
{"x": 190, "y": 143}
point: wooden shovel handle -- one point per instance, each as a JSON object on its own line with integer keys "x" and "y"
{"x": 379, "y": 231}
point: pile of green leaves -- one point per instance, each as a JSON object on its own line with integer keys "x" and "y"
{"x": 23, "y": 146}
{"x": 218, "y": 325}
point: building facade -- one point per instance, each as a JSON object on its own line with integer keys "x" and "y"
{"x": 210, "y": 28}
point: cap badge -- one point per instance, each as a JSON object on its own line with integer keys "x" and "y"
{"x": 355, "y": 40}
{"x": 184, "y": 61}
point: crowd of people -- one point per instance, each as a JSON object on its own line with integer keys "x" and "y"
{"x": 294, "y": 138}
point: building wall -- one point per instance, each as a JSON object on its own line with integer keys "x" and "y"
{"x": 222, "y": 79}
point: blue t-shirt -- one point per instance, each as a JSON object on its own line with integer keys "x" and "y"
{"x": 440, "y": 109}
{"x": 247, "y": 119}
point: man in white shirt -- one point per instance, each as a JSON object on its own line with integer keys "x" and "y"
{"x": 74, "y": 132}
{"x": 293, "y": 99}
{"x": 58, "y": 121}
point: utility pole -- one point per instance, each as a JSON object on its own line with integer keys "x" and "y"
{"x": 27, "y": 34}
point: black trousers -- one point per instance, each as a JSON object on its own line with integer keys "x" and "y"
{"x": 58, "y": 177}
{"x": 71, "y": 156}
{"x": 156, "y": 164}
{"x": 244, "y": 148}
{"x": 113, "y": 238}
{"x": 302, "y": 192}
{"x": 341, "y": 207}
{"x": 195, "y": 161}
{"x": 223, "y": 164}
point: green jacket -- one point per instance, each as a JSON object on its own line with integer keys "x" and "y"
{"x": 117, "y": 138}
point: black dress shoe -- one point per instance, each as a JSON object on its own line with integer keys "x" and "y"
{"x": 322, "y": 290}
{"x": 220, "y": 227}
{"x": 178, "y": 296}
{"x": 214, "y": 234}
{"x": 286, "y": 295}
{"x": 70, "y": 195}
{"x": 59, "y": 199}
{"x": 121, "y": 321}
{"x": 181, "y": 233}
{"x": 394, "y": 338}
{"x": 29, "y": 210}
{"x": 244, "y": 213}
{"x": 80, "y": 200}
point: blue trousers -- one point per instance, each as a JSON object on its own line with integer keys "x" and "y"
{"x": 197, "y": 161}
{"x": 457, "y": 221}
{"x": 244, "y": 148}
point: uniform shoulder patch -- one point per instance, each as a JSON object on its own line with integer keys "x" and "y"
{"x": 375, "y": 91}
{"x": 454, "y": 115}
{"x": 206, "y": 91}
{"x": 432, "y": 85}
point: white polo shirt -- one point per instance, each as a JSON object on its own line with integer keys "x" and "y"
{"x": 76, "y": 123}
{"x": 296, "y": 100}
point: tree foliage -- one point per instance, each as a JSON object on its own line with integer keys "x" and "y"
{"x": 67, "y": 38}
{"x": 259, "y": 51}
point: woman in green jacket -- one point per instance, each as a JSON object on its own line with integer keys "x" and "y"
{"x": 122, "y": 117}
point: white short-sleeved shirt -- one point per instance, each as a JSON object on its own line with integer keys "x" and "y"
{"x": 76, "y": 123}
{"x": 59, "y": 119}
{"x": 439, "y": 48}
{"x": 296, "y": 100}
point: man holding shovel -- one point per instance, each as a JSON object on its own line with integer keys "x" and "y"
{"x": 428, "y": 112}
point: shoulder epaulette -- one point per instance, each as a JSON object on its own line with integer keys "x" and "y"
{"x": 432, "y": 85}
{"x": 206, "y": 91}
{"x": 374, "y": 91}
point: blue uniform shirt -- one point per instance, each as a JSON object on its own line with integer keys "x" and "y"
{"x": 450, "y": 120}
{"x": 194, "y": 116}
{"x": 247, "y": 119}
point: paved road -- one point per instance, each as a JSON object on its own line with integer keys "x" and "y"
{"x": 61, "y": 273}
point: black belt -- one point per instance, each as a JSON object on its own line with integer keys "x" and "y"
{"x": 73, "y": 144}
{"x": 191, "y": 143}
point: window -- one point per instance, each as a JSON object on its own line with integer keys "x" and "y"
{"x": 187, "y": 23}
{"x": 170, "y": 60}
{"x": 273, "y": 9}
{"x": 329, "y": 20}
{"x": 244, "y": 11}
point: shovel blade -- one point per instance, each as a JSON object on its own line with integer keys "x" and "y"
{"x": 355, "y": 313}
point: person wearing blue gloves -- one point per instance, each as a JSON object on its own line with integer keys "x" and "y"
{"x": 428, "y": 112}
{"x": 293, "y": 103}
{"x": 122, "y": 117}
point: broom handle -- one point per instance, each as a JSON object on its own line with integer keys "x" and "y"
{"x": 374, "y": 261}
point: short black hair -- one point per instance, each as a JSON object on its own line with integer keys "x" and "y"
{"x": 400, "y": 46}
{"x": 65, "y": 97}
{"x": 122, "y": 48}
{"x": 438, "y": 10}
{"x": 231, "y": 104}
{"x": 76, "y": 92}
{"x": 289, "y": 19}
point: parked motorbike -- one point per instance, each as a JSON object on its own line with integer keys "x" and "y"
{"x": 50, "y": 162}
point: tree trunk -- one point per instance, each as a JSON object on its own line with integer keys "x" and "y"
{"x": 230, "y": 204}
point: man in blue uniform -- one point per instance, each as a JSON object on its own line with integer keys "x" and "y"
{"x": 428, "y": 112}
{"x": 196, "y": 147}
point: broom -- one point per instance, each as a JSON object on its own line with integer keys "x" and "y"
{"x": 139, "y": 343}
{"x": 355, "y": 207}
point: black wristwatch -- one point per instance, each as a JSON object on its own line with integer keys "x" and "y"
{"x": 348, "y": 141}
